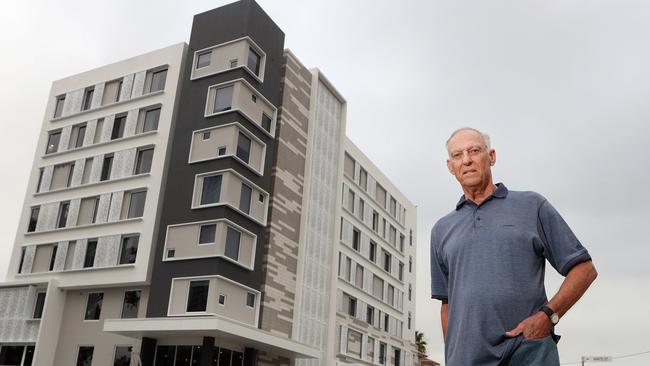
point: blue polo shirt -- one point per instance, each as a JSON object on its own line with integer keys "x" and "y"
{"x": 488, "y": 262}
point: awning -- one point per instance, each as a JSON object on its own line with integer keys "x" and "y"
{"x": 211, "y": 326}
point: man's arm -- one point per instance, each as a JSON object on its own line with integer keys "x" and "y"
{"x": 443, "y": 317}
{"x": 574, "y": 286}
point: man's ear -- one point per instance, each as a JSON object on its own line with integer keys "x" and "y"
{"x": 493, "y": 157}
{"x": 449, "y": 167}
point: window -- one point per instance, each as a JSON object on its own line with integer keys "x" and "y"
{"x": 266, "y": 122}
{"x": 386, "y": 261}
{"x": 243, "y": 147}
{"x": 363, "y": 179}
{"x": 62, "y": 176}
{"x": 207, "y": 234}
{"x": 392, "y": 235}
{"x": 245, "y": 198}
{"x": 261, "y": 198}
{"x": 382, "y": 353}
{"x": 362, "y": 205}
{"x": 358, "y": 278}
{"x": 410, "y": 237}
{"x": 136, "y": 204}
{"x": 233, "y": 63}
{"x": 122, "y": 356}
{"x": 409, "y": 321}
{"x": 58, "y": 109}
{"x": 401, "y": 271}
{"x": 131, "y": 304}
{"x": 206, "y": 135}
{"x": 348, "y": 166}
{"x": 410, "y": 291}
{"x": 221, "y": 151}
{"x": 118, "y": 127}
{"x": 254, "y": 98}
{"x": 348, "y": 269}
{"x": 380, "y": 195}
{"x": 171, "y": 253}
{"x": 106, "y": 168}
{"x": 88, "y": 99}
{"x": 33, "y": 219}
{"x": 373, "y": 251}
{"x": 112, "y": 90}
{"x": 88, "y": 211}
{"x": 62, "y": 218}
{"x": 39, "y": 304}
{"x": 94, "y": 305}
{"x": 370, "y": 314}
{"x": 232, "y": 243}
{"x": 401, "y": 242}
{"x": 356, "y": 239}
{"x": 151, "y": 118}
{"x": 398, "y": 357}
{"x": 254, "y": 61}
{"x": 351, "y": 199}
{"x": 197, "y": 297}
{"x": 55, "y": 247}
{"x": 158, "y": 80}
{"x": 375, "y": 221}
{"x": 40, "y": 180}
{"x": 386, "y": 322}
{"x": 211, "y": 189}
{"x": 203, "y": 59}
{"x": 143, "y": 161}
{"x": 393, "y": 207}
{"x": 352, "y": 307}
{"x": 22, "y": 260}
{"x": 91, "y": 249}
{"x": 223, "y": 99}
{"x": 222, "y": 299}
{"x": 129, "y": 249}
{"x": 14, "y": 355}
{"x": 77, "y": 136}
{"x": 410, "y": 264}
{"x": 88, "y": 167}
{"x": 53, "y": 142}
{"x": 250, "y": 299}
{"x": 85, "y": 356}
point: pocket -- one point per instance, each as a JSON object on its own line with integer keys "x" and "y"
{"x": 545, "y": 338}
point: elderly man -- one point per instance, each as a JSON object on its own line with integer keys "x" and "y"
{"x": 487, "y": 266}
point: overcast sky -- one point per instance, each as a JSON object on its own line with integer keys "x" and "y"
{"x": 562, "y": 87}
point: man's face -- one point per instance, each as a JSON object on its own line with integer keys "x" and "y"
{"x": 469, "y": 159}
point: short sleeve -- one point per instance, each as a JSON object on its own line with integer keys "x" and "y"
{"x": 561, "y": 247}
{"x": 439, "y": 277}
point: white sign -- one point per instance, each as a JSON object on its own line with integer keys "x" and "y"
{"x": 597, "y": 358}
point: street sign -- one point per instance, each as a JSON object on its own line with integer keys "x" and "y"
{"x": 596, "y": 358}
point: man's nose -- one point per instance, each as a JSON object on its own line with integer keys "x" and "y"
{"x": 467, "y": 159}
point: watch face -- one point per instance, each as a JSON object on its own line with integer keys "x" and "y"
{"x": 555, "y": 318}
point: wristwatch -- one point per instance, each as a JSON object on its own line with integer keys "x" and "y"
{"x": 551, "y": 314}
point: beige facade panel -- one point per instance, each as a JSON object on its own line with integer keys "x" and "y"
{"x": 226, "y": 56}
{"x": 233, "y": 295}
{"x": 241, "y": 96}
{"x": 230, "y": 193}
{"x": 222, "y": 141}
{"x": 185, "y": 241}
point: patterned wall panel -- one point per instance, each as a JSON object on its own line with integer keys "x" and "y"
{"x": 16, "y": 304}
{"x": 280, "y": 262}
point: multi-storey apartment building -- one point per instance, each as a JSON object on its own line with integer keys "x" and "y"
{"x": 201, "y": 205}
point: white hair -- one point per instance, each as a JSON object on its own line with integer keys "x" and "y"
{"x": 486, "y": 137}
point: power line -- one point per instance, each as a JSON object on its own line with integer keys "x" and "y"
{"x": 614, "y": 358}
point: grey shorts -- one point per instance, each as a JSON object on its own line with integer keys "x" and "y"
{"x": 535, "y": 352}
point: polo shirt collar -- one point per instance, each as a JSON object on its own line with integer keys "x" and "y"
{"x": 500, "y": 192}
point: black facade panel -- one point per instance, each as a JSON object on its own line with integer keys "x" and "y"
{"x": 233, "y": 21}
